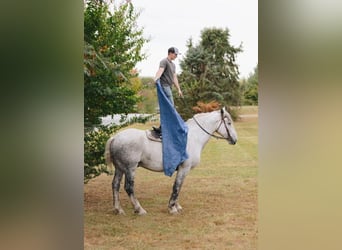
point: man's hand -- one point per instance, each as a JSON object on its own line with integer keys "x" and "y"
{"x": 180, "y": 93}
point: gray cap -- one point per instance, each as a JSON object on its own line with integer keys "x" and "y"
{"x": 173, "y": 50}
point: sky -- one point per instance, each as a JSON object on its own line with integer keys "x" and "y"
{"x": 171, "y": 23}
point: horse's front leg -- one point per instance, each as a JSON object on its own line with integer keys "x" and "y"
{"x": 174, "y": 206}
{"x": 129, "y": 187}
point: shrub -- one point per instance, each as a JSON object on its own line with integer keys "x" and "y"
{"x": 214, "y": 105}
{"x": 94, "y": 147}
{"x": 206, "y": 107}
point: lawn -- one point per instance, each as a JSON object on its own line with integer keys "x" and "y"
{"x": 219, "y": 200}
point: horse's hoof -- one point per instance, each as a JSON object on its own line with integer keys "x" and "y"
{"x": 179, "y": 208}
{"x": 119, "y": 211}
{"x": 141, "y": 211}
{"x": 173, "y": 210}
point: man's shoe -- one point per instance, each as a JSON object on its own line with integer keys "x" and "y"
{"x": 158, "y": 130}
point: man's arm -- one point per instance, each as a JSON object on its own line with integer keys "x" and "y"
{"x": 175, "y": 81}
{"x": 158, "y": 74}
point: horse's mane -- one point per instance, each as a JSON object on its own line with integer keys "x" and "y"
{"x": 199, "y": 115}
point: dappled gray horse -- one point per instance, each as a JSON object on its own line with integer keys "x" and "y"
{"x": 131, "y": 148}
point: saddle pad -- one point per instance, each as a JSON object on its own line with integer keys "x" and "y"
{"x": 152, "y": 135}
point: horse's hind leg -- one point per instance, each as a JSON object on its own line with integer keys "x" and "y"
{"x": 116, "y": 187}
{"x": 129, "y": 187}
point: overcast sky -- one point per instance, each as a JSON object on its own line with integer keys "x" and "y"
{"x": 171, "y": 23}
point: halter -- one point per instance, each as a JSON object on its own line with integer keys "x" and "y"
{"x": 215, "y": 136}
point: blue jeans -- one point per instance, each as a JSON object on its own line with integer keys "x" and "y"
{"x": 168, "y": 92}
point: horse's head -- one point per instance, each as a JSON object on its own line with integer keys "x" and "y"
{"x": 226, "y": 127}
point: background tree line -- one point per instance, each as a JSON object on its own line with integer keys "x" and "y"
{"x": 113, "y": 44}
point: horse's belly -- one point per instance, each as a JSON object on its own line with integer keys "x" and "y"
{"x": 154, "y": 163}
{"x": 152, "y": 157}
{"x": 152, "y": 166}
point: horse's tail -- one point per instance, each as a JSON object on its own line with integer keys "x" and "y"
{"x": 108, "y": 157}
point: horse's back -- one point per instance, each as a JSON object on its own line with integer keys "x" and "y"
{"x": 129, "y": 133}
{"x": 131, "y": 146}
{"x": 130, "y": 137}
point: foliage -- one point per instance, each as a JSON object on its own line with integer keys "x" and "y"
{"x": 94, "y": 147}
{"x": 112, "y": 47}
{"x": 136, "y": 83}
{"x": 250, "y": 88}
{"x": 206, "y": 107}
{"x": 148, "y": 102}
{"x": 209, "y": 71}
{"x": 147, "y": 81}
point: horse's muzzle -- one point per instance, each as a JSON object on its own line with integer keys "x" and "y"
{"x": 232, "y": 142}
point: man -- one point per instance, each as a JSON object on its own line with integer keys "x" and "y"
{"x": 168, "y": 77}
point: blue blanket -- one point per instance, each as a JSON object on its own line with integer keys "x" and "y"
{"x": 174, "y": 133}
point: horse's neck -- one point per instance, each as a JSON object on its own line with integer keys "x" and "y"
{"x": 208, "y": 124}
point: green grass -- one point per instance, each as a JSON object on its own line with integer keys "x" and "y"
{"x": 247, "y": 110}
{"x": 219, "y": 199}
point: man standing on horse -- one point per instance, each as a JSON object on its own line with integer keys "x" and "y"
{"x": 167, "y": 76}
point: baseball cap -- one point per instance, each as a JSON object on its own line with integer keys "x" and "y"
{"x": 173, "y": 50}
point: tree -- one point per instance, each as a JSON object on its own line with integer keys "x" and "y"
{"x": 209, "y": 71}
{"x": 112, "y": 47}
{"x": 148, "y": 94}
{"x": 250, "y": 88}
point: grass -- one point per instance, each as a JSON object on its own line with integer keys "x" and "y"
{"x": 248, "y": 110}
{"x": 219, "y": 199}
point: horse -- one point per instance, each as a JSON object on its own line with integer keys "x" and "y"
{"x": 131, "y": 148}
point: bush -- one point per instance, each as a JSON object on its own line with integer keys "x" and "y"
{"x": 94, "y": 147}
{"x": 203, "y": 107}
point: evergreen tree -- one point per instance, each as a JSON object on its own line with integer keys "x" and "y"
{"x": 209, "y": 71}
